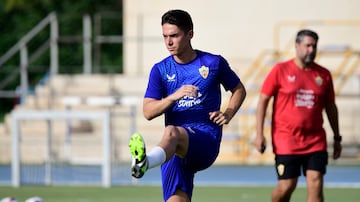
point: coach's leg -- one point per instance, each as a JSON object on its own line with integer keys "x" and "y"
{"x": 284, "y": 189}
{"x": 314, "y": 182}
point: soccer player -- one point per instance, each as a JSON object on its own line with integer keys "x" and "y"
{"x": 185, "y": 86}
{"x": 302, "y": 89}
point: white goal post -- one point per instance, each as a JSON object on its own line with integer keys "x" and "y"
{"x": 103, "y": 116}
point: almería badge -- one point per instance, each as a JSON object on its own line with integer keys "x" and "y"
{"x": 319, "y": 80}
{"x": 204, "y": 71}
{"x": 281, "y": 169}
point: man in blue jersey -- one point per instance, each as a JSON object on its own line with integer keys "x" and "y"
{"x": 186, "y": 88}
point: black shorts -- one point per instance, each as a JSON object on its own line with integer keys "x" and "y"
{"x": 289, "y": 166}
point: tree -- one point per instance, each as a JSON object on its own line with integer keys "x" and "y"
{"x": 18, "y": 17}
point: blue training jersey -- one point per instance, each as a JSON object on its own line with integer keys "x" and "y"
{"x": 206, "y": 71}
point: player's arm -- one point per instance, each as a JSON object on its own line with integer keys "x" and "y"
{"x": 238, "y": 95}
{"x": 333, "y": 117}
{"x": 260, "y": 140}
{"x": 153, "y": 107}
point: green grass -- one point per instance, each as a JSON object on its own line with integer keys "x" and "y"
{"x": 154, "y": 194}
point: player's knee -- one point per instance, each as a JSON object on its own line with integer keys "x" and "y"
{"x": 171, "y": 132}
{"x": 314, "y": 179}
{"x": 282, "y": 194}
{"x": 286, "y": 189}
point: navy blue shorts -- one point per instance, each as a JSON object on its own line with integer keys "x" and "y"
{"x": 178, "y": 173}
{"x": 289, "y": 166}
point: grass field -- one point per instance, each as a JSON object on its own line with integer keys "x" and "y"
{"x": 153, "y": 194}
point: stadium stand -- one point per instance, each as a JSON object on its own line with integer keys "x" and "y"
{"x": 77, "y": 141}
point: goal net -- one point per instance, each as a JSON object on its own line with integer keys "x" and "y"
{"x": 52, "y": 158}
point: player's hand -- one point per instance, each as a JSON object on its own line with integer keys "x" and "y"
{"x": 219, "y": 118}
{"x": 260, "y": 143}
{"x": 337, "y": 149}
{"x": 185, "y": 90}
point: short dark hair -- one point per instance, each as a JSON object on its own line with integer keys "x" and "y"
{"x": 306, "y": 32}
{"x": 180, "y": 18}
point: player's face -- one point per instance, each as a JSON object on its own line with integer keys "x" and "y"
{"x": 306, "y": 50}
{"x": 177, "y": 41}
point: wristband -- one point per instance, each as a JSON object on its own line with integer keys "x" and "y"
{"x": 337, "y": 138}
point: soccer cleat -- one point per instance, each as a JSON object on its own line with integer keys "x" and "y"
{"x": 139, "y": 161}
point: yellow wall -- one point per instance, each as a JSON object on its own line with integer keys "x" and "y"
{"x": 237, "y": 29}
{"x": 240, "y": 30}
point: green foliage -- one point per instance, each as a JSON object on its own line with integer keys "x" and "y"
{"x": 18, "y": 17}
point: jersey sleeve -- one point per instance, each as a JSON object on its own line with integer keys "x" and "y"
{"x": 271, "y": 82}
{"x": 155, "y": 87}
{"x": 228, "y": 78}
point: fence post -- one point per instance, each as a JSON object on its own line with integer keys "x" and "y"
{"x": 24, "y": 63}
{"x": 87, "y": 44}
{"x": 54, "y": 51}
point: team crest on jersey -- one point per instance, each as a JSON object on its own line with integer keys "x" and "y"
{"x": 319, "y": 80}
{"x": 204, "y": 71}
{"x": 281, "y": 169}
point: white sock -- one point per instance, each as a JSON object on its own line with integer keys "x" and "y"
{"x": 156, "y": 157}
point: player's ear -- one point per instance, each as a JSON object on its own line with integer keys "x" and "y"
{"x": 190, "y": 34}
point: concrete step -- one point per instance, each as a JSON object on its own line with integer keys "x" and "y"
{"x": 81, "y": 88}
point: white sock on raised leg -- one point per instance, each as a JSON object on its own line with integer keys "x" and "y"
{"x": 156, "y": 157}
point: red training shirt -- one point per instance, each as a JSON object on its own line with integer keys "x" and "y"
{"x": 299, "y": 99}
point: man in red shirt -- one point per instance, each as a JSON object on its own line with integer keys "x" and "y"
{"x": 302, "y": 89}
